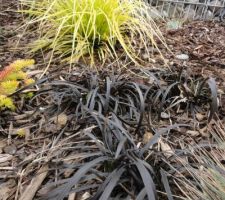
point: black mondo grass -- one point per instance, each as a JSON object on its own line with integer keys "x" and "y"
{"x": 108, "y": 116}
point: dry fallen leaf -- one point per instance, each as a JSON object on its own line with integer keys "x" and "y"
{"x": 61, "y": 119}
{"x": 204, "y": 132}
{"x": 166, "y": 149}
{"x": 199, "y": 116}
{"x": 147, "y": 136}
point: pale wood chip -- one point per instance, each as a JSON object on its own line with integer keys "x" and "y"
{"x": 34, "y": 185}
{"x": 5, "y": 157}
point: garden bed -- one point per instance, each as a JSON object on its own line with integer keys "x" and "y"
{"x": 85, "y": 128}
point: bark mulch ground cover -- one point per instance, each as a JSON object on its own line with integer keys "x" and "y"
{"x": 88, "y": 129}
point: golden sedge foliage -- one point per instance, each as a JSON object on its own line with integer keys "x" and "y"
{"x": 10, "y": 78}
{"x": 77, "y": 28}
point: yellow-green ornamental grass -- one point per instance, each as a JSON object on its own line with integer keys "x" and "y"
{"x": 78, "y": 28}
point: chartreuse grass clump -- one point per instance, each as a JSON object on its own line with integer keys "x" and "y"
{"x": 11, "y": 78}
{"x": 92, "y": 28}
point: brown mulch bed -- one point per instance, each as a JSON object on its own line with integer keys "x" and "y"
{"x": 204, "y": 43}
{"x": 10, "y": 21}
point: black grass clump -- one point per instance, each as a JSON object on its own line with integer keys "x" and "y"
{"x": 108, "y": 116}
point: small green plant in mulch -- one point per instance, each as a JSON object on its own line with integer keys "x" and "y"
{"x": 12, "y": 78}
{"x": 174, "y": 24}
{"x": 93, "y": 28}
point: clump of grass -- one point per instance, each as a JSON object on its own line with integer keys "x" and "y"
{"x": 92, "y": 28}
{"x": 11, "y": 78}
{"x": 201, "y": 171}
{"x": 212, "y": 171}
{"x": 109, "y": 112}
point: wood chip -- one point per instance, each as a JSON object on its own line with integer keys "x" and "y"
{"x": 192, "y": 133}
{"x": 10, "y": 149}
{"x": 35, "y": 183}
{"x": 164, "y": 115}
{"x": 85, "y": 196}
{"x": 5, "y": 157}
{"x": 6, "y": 188}
{"x": 72, "y": 196}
